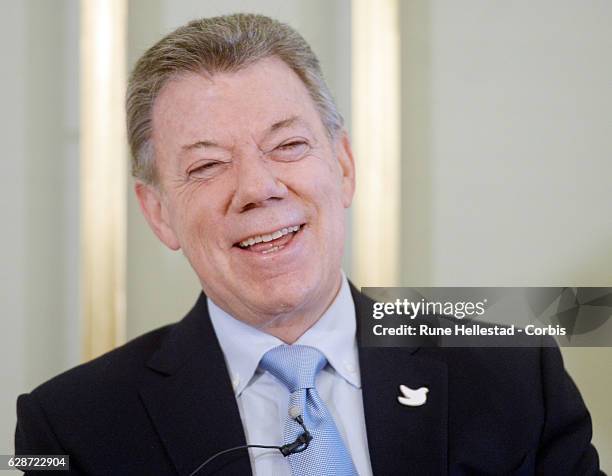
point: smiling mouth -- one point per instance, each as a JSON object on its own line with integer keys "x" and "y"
{"x": 270, "y": 242}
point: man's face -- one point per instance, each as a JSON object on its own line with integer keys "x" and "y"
{"x": 244, "y": 157}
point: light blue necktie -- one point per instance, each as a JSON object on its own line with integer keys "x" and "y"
{"x": 296, "y": 366}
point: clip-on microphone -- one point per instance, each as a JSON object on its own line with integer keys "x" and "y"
{"x": 302, "y": 441}
{"x": 299, "y": 445}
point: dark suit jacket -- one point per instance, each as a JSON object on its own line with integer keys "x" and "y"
{"x": 163, "y": 403}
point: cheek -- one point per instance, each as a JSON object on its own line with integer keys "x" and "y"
{"x": 196, "y": 225}
{"x": 319, "y": 185}
{"x": 330, "y": 212}
{"x": 330, "y": 197}
{"x": 320, "y": 177}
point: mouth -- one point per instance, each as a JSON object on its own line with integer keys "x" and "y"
{"x": 270, "y": 242}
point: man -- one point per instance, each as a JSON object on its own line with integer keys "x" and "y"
{"x": 242, "y": 162}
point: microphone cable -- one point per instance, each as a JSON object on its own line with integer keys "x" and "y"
{"x": 299, "y": 445}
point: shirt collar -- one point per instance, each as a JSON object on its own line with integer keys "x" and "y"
{"x": 333, "y": 335}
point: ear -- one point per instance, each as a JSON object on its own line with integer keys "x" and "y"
{"x": 155, "y": 212}
{"x": 347, "y": 166}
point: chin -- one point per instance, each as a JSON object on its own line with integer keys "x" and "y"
{"x": 278, "y": 300}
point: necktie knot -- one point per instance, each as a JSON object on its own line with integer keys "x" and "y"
{"x": 296, "y": 366}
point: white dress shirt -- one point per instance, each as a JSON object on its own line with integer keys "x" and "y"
{"x": 263, "y": 400}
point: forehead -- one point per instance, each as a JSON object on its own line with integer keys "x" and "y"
{"x": 231, "y": 103}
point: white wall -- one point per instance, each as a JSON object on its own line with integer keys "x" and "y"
{"x": 39, "y": 196}
{"x": 12, "y": 271}
{"x": 508, "y": 148}
{"x": 522, "y": 143}
{"x": 161, "y": 285}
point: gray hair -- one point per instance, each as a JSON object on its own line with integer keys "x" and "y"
{"x": 210, "y": 45}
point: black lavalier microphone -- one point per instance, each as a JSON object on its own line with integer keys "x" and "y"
{"x": 299, "y": 445}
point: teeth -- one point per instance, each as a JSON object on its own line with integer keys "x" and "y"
{"x": 275, "y": 248}
{"x": 272, "y": 236}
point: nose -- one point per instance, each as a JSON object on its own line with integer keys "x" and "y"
{"x": 256, "y": 182}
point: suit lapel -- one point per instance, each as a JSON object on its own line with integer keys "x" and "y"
{"x": 402, "y": 439}
{"x": 189, "y": 397}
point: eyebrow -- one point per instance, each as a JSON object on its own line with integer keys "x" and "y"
{"x": 285, "y": 123}
{"x": 200, "y": 143}
{"x": 282, "y": 124}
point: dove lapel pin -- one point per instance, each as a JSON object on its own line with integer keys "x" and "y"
{"x": 412, "y": 398}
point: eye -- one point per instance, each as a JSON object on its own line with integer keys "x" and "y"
{"x": 206, "y": 170}
{"x": 291, "y": 150}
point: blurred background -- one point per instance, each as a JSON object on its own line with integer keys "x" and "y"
{"x": 484, "y": 127}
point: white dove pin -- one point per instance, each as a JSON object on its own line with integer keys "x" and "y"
{"x": 413, "y": 398}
